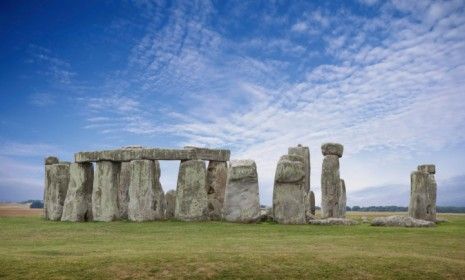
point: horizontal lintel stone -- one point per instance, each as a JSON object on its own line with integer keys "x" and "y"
{"x": 188, "y": 153}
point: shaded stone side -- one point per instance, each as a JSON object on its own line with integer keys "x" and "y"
{"x": 217, "y": 173}
{"x": 330, "y": 187}
{"x": 56, "y": 187}
{"x": 342, "y": 200}
{"x": 105, "y": 191}
{"x": 312, "y": 203}
{"x": 304, "y": 152}
{"x": 170, "y": 204}
{"x": 146, "y": 197}
{"x": 431, "y": 190}
{"x": 241, "y": 201}
{"x": 123, "y": 189}
{"x": 191, "y": 193}
{"x": 418, "y": 195}
{"x": 78, "y": 202}
{"x": 289, "y": 194}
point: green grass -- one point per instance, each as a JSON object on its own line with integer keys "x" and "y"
{"x": 32, "y": 248}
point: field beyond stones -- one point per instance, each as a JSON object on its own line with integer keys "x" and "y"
{"x": 33, "y": 248}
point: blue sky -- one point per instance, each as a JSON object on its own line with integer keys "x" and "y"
{"x": 384, "y": 78}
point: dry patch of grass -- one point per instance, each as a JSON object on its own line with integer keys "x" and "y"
{"x": 18, "y": 210}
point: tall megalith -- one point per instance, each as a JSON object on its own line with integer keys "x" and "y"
{"x": 342, "y": 200}
{"x": 290, "y": 201}
{"x": 423, "y": 190}
{"x": 191, "y": 192}
{"x": 217, "y": 173}
{"x": 78, "y": 202}
{"x": 330, "y": 180}
{"x": 170, "y": 204}
{"x": 146, "y": 197}
{"x": 123, "y": 189}
{"x": 105, "y": 191}
{"x": 312, "y": 203}
{"x": 56, "y": 187}
{"x": 241, "y": 201}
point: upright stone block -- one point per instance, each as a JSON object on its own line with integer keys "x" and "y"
{"x": 105, "y": 191}
{"x": 342, "y": 200}
{"x": 289, "y": 194}
{"x": 78, "y": 202}
{"x": 217, "y": 173}
{"x": 123, "y": 189}
{"x": 191, "y": 191}
{"x": 170, "y": 202}
{"x": 431, "y": 190}
{"x": 56, "y": 187}
{"x": 51, "y": 160}
{"x": 312, "y": 203}
{"x": 241, "y": 201}
{"x": 330, "y": 180}
{"x": 146, "y": 197}
{"x": 304, "y": 152}
{"x": 418, "y": 195}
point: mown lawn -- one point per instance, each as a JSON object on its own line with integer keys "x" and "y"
{"x": 32, "y": 248}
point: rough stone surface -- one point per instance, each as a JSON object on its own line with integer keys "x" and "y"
{"x": 217, "y": 173}
{"x": 304, "y": 152}
{"x": 266, "y": 214}
{"x": 418, "y": 195}
{"x": 428, "y": 168}
{"x": 146, "y": 197}
{"x": 78, "y": 202}
{"x": 332, "y": 149}
{"x": 170, "y": 204}
{"x": 105, "y": 191}
{"x": 123, "y": 189}
{"x": 312, "y": 203}
{"x": 342, "y": 200}
{"x": 289, "y": 193}
{"x": 241, "y": 202}
{"x": 191, "y": 191}
{"x": 128, "y": 154}
{"x": 333, "y": 221}
{"x": 401, "y": 221}
{"x": 431, "y": 189}
{"x": 51, "y": 160}
{"x": 330, "y": 187}
{"x": 56, "y": 186}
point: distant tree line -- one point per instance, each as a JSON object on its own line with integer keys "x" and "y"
{"x": 34, "y": 203}
{"x": 391, "y": 208}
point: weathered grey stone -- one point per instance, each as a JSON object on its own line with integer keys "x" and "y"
{"x": 334, "y": 221}
{"x": 191, "y": 193}
{"x": 289, "y": 193}
{"x": 241, "y": 201}
{"x": 428, "y": 168}
{"x": 128, "y": 154}
{"x": 146, "y": 197}
{"x": 342, "y": 200}
{"x": 105, "y": 191}
{"x": 266, "y": 214}
{"x": 78, "y": 202}
{"x": 418, "y": 195}
{"x": 330, "y": 187}
{"x": 56, "y": 186}
{"x": 312, "y": 203}
{"x": 304, "y": 152}
{"x": 332, "y": 149}
{"x": 123, "y": 189}
{"x": 400, "y": 221}
{"x": 51, "y": 160}
{"x": 431, "y": 189}
{"x": 217, "y": 173}
{"x": 170, "y": 203}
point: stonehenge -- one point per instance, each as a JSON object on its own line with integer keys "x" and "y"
{"x": 331, "y": 181}
{"x": 78, "y": 203}
{"x": 217, "y": 173}
{"x": 342, "y": 200}
{"x": 105, "y": 191}
{"x": 123, "y": 189}
{"x": 56, "y": 187}
{"x": 170, "y": 204}
{"x": 312, "y": 203}
{"x": 423, "y": 193}
{"x": 241, "y": 200}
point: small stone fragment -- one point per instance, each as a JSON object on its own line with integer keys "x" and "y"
{"x": 332, "y": 149}
{"x": 401, "y": 221}
{"x": 51, "y": 160}
{"x": 333, "y": 221}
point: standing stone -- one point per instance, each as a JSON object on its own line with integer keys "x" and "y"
{"x": 304, "y": 152}
{"x": 105, "y": 191}
{"x": 146, "y": 197}
{"x": 170, "y": 203}
{"x": 418, "y": 195}
{"x": 191, "y": 193}
{"x": 78, "y": 202}
{"x": 56, "y": 186}
{"x": 312, "y": 203}
{"x": 330, "y": 180}
{"x": 217, "y": 173}
{"x": 51, "y": 160}
{"x": 123, "y": 189}
{"x": 342, "y": 200}
{"x": 289, "y": 194}
{"x": 241, "y": 201}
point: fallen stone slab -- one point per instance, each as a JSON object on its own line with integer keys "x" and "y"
{"x": 333, "y": 221}
{"x": 78, "y": 202}
{"x": 128, "y": 154}
{"x": 401, "y": 221}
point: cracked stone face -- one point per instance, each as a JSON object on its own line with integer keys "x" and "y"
{"x": 105, "y": 191}
{"x": 56, "y": 187}
{"x": 217, "y": 173}
{"x": 78, "y": 202}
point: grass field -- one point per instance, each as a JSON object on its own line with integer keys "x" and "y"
{"x": 32, "y": 248}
